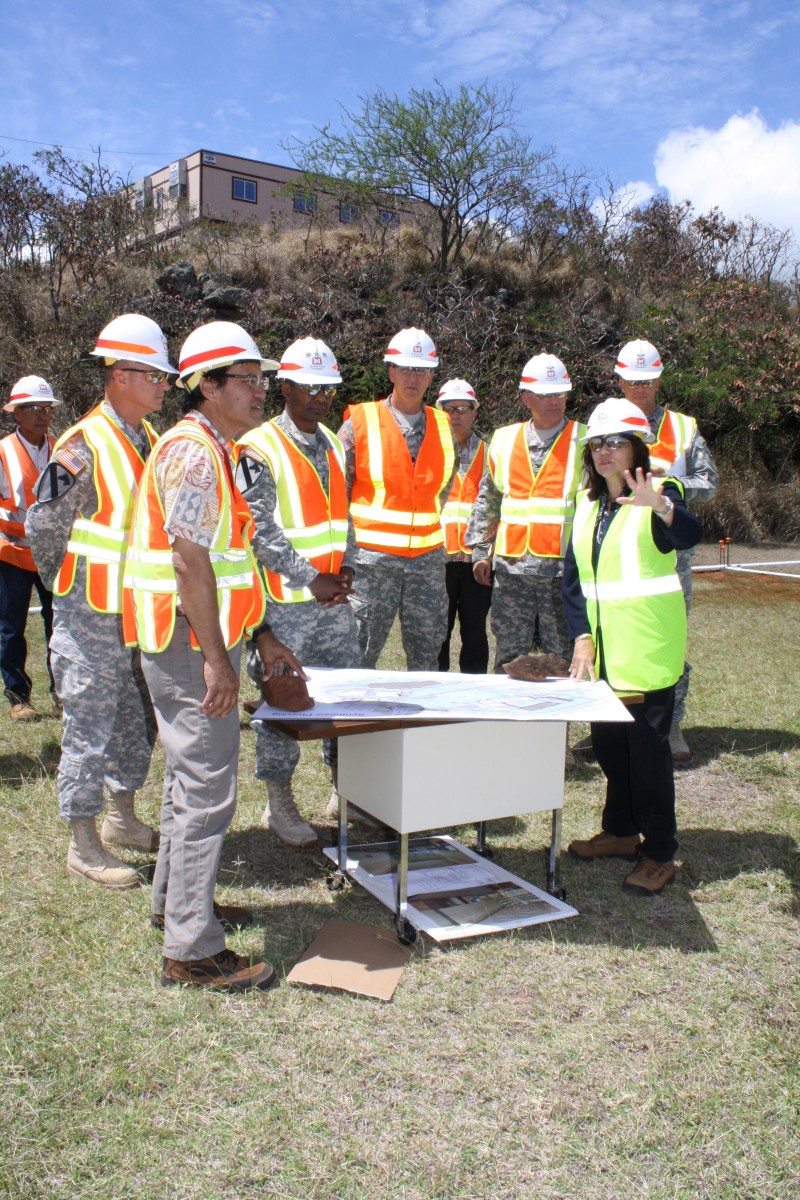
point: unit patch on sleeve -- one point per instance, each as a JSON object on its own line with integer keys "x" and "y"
{"x": 248, "y": 472}
{"x": 58, "y": 476}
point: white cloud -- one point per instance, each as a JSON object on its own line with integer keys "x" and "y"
{"x": 744, "y": 168}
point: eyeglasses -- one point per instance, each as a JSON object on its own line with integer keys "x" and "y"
{"x": 314, "y": 389}
{"x": 642, "y": 383}
{"x": 458, "y": 408}
{"x": 252, "y": 381}
{"x": 154, "y": 377}
{"x": 412, "y": 370}
{"x": 36, "y": 408}
{"x": 613, "y": 441}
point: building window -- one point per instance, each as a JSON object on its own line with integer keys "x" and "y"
{"x": 349, "y": 212}
{"x": 305, "y": 203}
{"x": 245, "y": 189}
{"x": 158, "y": 197}
{"x": 387, "y": 217}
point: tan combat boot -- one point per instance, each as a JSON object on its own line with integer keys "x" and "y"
{"x": 355, "y": 816}
{"x": 679, "y": 748}
{"x": 650, "y": 877}
{"x": 88, "y": 858}
{"x": 23, "y": 710}
{"x": 282, "y": 818}
{"x": 122, "y": 827}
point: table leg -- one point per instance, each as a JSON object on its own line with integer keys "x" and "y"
{"x": 554, "y": 857}
{"x": 405, "y": 930}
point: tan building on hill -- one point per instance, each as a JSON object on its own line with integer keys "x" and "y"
{"x": 225, "y": 187}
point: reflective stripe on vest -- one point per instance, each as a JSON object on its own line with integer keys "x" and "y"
{"x": 101, "y": 537}
{"x": 151, "y": 589}
{"x": 675, "y": 434}
{"x": 394, "y": 502}
{"x": 313, "y": 520}
{"x": 460, "y": 503}
{"x": 536, "y": 510}
{"x": 636, "y": 599}
{"x": 21, "y": 475}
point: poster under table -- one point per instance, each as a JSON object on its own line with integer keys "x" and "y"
{"x": 452, "y": 891}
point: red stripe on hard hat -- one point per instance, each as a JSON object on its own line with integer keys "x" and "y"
{"x": 219, "y": 352}
{"x": 291, "y": 366}
{"x": 106, "y": 344}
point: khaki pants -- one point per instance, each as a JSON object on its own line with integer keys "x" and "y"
{"x": 199, "y": 796}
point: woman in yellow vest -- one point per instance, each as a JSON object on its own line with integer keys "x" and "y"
{"x": 625, "y": 611}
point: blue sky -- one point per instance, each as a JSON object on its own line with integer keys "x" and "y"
{"x": 699, "y": 99}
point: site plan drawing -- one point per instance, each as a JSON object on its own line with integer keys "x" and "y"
{"x": 436, "y": 696}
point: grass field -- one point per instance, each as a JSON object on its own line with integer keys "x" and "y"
{"x": 643, "y": 1049}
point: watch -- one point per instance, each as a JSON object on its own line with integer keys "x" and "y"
{"x": 667, "y": 510}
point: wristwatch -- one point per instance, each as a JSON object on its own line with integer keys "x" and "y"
{"x": 667, "y": 510}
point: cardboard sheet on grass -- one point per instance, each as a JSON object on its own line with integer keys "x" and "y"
{"x": 352, "y": 958}
{"x": 452, "y": 891}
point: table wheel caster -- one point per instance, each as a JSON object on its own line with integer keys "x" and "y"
{"x": 406, "y": 933}
{"x": 559, "y": 893}
{"x": 486, "y": 852}
{"x": 336, "y": 882}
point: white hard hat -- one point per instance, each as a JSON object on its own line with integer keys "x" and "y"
{"x": 456, "y": 389}
{"x": 639, "y": 360}
{"x": 134, "y": 338}
{"x": 309, "y": 360}
{"x": 618, "y": 416}
{"x": 545, "y": 374}
{"x": 217, "y": 344}
{"x": 411, "y": 348}
{"x": 31, "y": 389}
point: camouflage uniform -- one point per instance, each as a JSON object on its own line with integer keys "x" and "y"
{"x": 109, "y": 724}
{"x": 318, "y": 635}
{"x": 524, "y": 588}
{"x": 388, "y": 583}
{"x": 467, "y": 599}
{"x": 697, "y": 472}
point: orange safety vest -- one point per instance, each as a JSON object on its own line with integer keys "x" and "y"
{"x": 459, "y": 504}
{"x": 394, "y": 502}
{"x": 150, "y": 599}
{"x": 21, "y": 476}
{"x": 101, "y": 537}
{"x": 674, "y": 437}
{"x": 536, "y": 511}
{"x": 313, "y": 520}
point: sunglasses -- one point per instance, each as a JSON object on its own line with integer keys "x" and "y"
{"x": 154, "y": 377}
{"x": 641, "y": 383}
{"x": 613, "y": 441}
{"x": 36, "y": 408}
{"x": 457, "y": 408}
{"x": 314, "y": 389}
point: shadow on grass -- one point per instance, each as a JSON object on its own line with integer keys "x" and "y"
{"x": 17, "y": 770}
{"x": 709, "y": 742}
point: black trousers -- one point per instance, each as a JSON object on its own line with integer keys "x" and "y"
{"x": 469, "y": 601}
{"x": 16, "y": 588}
{"x": 640, "y": 785}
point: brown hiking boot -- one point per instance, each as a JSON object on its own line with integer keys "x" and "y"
{"x": 649, "y": 878}
{"x": 23, "y": 710}
{"x": 606, "y": 845}
{"x": 223, "y": 972}
{"x": 230, "y": 916}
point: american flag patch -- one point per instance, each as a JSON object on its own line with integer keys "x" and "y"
{"x": 70, "y": 461}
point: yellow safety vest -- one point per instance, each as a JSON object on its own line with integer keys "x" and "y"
{"x": 635, "y": 599}
{"x": 314, "y": 520}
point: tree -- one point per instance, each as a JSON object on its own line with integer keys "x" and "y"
{"x": 455, "y": 158}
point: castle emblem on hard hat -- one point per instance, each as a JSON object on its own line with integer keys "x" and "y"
{"x": 43, "y": 386}
{"x": 417, "y": 348}
{"x": 551, "y": 372}
{"x": 640, "y": 360}
{"x": 316, "y": 360}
